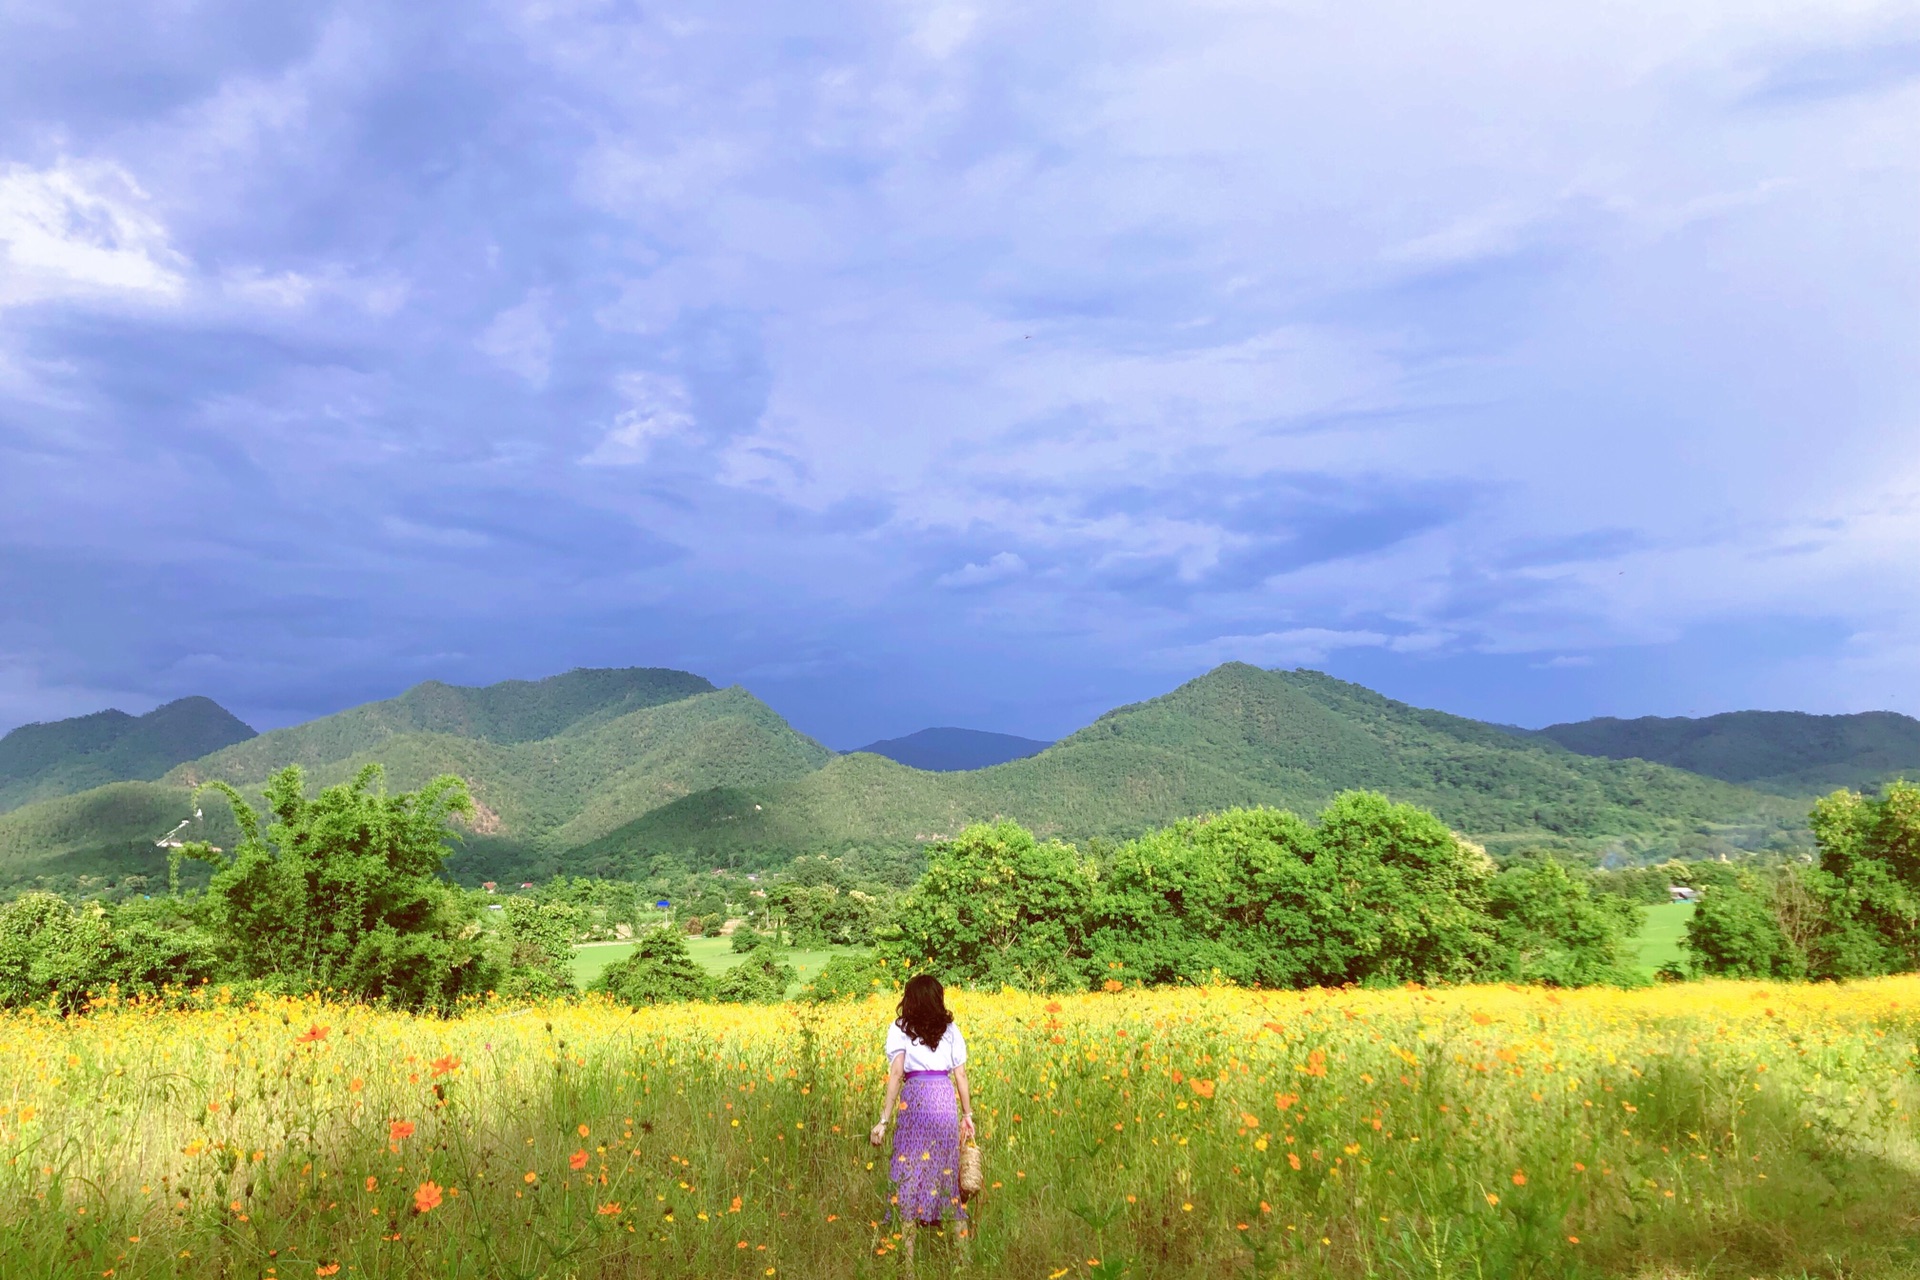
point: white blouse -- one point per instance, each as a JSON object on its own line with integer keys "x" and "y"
{"x": 951, "y": 1052}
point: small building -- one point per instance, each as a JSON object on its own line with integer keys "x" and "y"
{"x": 490, "y": 886}
{"x": 1682, "y": 893}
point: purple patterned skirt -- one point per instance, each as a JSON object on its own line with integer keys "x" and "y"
{"x": 926, "y": 1148}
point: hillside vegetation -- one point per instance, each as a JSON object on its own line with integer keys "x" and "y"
{"x": 614, "y": 745}
{"x": 1235, "y": 736}
{"x": 1789, "y": 753}
{"x": 63, "y": 757}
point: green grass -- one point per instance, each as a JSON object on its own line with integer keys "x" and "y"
{"x": 715, "y": 955}
{"x": 1659, "y": 939}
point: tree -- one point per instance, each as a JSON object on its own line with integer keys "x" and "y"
{"x": 1869, "y": 881}
{"x": 343, "y": 891}
{"x": 659, "y": 971}
{"x": 996, "y": 906}
{"x": 50, "y": 949}
{"x": 1375, "y": 891}
{"x": 1550, "y": 928}
{"x": 540, "y": 946}
{"x": 759, "y": 979}
{"x": 1734, "y": 933}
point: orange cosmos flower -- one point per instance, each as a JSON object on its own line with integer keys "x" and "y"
{"x": 1519, "y": 1178}
{"x": 441, "y": 1066}
{"x": 530, "y": 1178}
{"x": 373, "y": 1183}
{"x": 327, "y": 1269}
{"x": 1113, "y": 984}
{"x": 426, "y": 1197}
{"x": 1202, "y": 1087}
{"x": 312, "y": 1034}
{"x": 584, "y": 1131}
{"x": 400, "y": 1131}
{"x": 578, "y": 1160}
{"x": 735, "y": 1206}
{"x": 609, "y": 1209}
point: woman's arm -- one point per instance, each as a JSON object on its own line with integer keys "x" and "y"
{"x": 896, "y": 1071}
{"x": 966, "y": 1100}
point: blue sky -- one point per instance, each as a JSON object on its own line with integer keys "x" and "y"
{"x": 961, "y": 364}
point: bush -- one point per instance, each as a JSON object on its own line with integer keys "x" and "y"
{"x": 660, "y": 971}
{"x": 848, "y": 978}
{"x": 1735, "y": 933}
{"x": 745, "y": 939}
{"x": 539, "y": 939}
{"x": 344, "y": 891}
{"x": 998, "y": 907}
{"x": 51, "y": 950}
{"x": 759, "y": 979}
{"x": 1551, "y": 929}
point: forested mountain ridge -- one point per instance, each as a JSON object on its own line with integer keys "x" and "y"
{"x": 1789, "y": 753}
{"x": 510, "y": 712}
{"x": 626, "y": 742}
{"x": 1235, "y": 736}
{"x": 63, "y": 757}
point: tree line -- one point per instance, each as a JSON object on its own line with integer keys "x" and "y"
{"x": 345, "y": 891}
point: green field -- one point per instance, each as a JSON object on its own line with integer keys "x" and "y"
{"x": 715, "y": 955}
{"x": 1659, "y": 940}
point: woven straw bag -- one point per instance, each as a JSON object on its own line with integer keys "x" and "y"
{"x": 971, "y": 1176}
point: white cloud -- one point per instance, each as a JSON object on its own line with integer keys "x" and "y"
{"x": 83, "y": 229}
{"x": 997, "y": 569}
{"x": 658, "y": 409}
{"x": 520, "y": 339}
{"x": 1296, "y": 646}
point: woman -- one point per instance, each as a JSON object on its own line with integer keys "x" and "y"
{"x": 926, "y": 1065}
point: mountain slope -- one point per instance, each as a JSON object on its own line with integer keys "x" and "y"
{"x": 627, "y": 742}
{"x": 1786, "y": 752}
{"x": 952, "y": 750}
{"x": 513, "y": 711}
{"x": 43, "y": 761}
{"x": 1235, "y": 736}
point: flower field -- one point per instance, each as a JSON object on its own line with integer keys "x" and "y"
{"x": 1706, "y": 1129}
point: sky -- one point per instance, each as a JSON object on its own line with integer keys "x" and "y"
{"x": 976, "y": 364}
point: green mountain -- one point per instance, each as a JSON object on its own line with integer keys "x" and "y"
{"x": 1789, "y": 753}
{"x": 60, "y": 758}
{"x": 1237, "y": 735}
{"x": 552, "y": 763}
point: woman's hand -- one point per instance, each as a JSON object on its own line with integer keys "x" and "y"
{"x": 879, "y": 1134}
{"x": 966, "y": 1128}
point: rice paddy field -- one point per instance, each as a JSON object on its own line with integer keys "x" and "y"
{"x": 1709, "y": 1129}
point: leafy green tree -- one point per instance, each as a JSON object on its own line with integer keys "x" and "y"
{"x": 1550, "y": 928}
{"x": 51, "y": 950}
{"x": 1735, "y": 933}
{"x": 759, "y": 979}
{"x": 539, "y": 946}
{"x": 1870, "y": 882}
{"x": 847, "y": 977}
{"x": 996, "y": 906}
{"x": 1376, "y": 891}
{"x": 660, "y": 970}
{"x": 343, "y": 891}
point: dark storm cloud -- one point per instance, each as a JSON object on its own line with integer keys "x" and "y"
{"x": 922, "y": 361}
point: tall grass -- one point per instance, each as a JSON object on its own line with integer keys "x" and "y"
{"x": 1713, "y": 1129}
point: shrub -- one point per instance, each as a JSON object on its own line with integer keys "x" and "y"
{"x": 1734, "y": 933}
{"x": 847, "y": 977}
{"x": 1550, "y": 928}
{"x": 759, "y": 979}
{"x": 660, "y": 971}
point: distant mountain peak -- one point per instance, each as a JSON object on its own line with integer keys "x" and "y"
{"x": 952, "y": 750}
{"x": 63, "y": 757}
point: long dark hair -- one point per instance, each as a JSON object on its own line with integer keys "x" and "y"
{"x": 923, "y": 1010}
